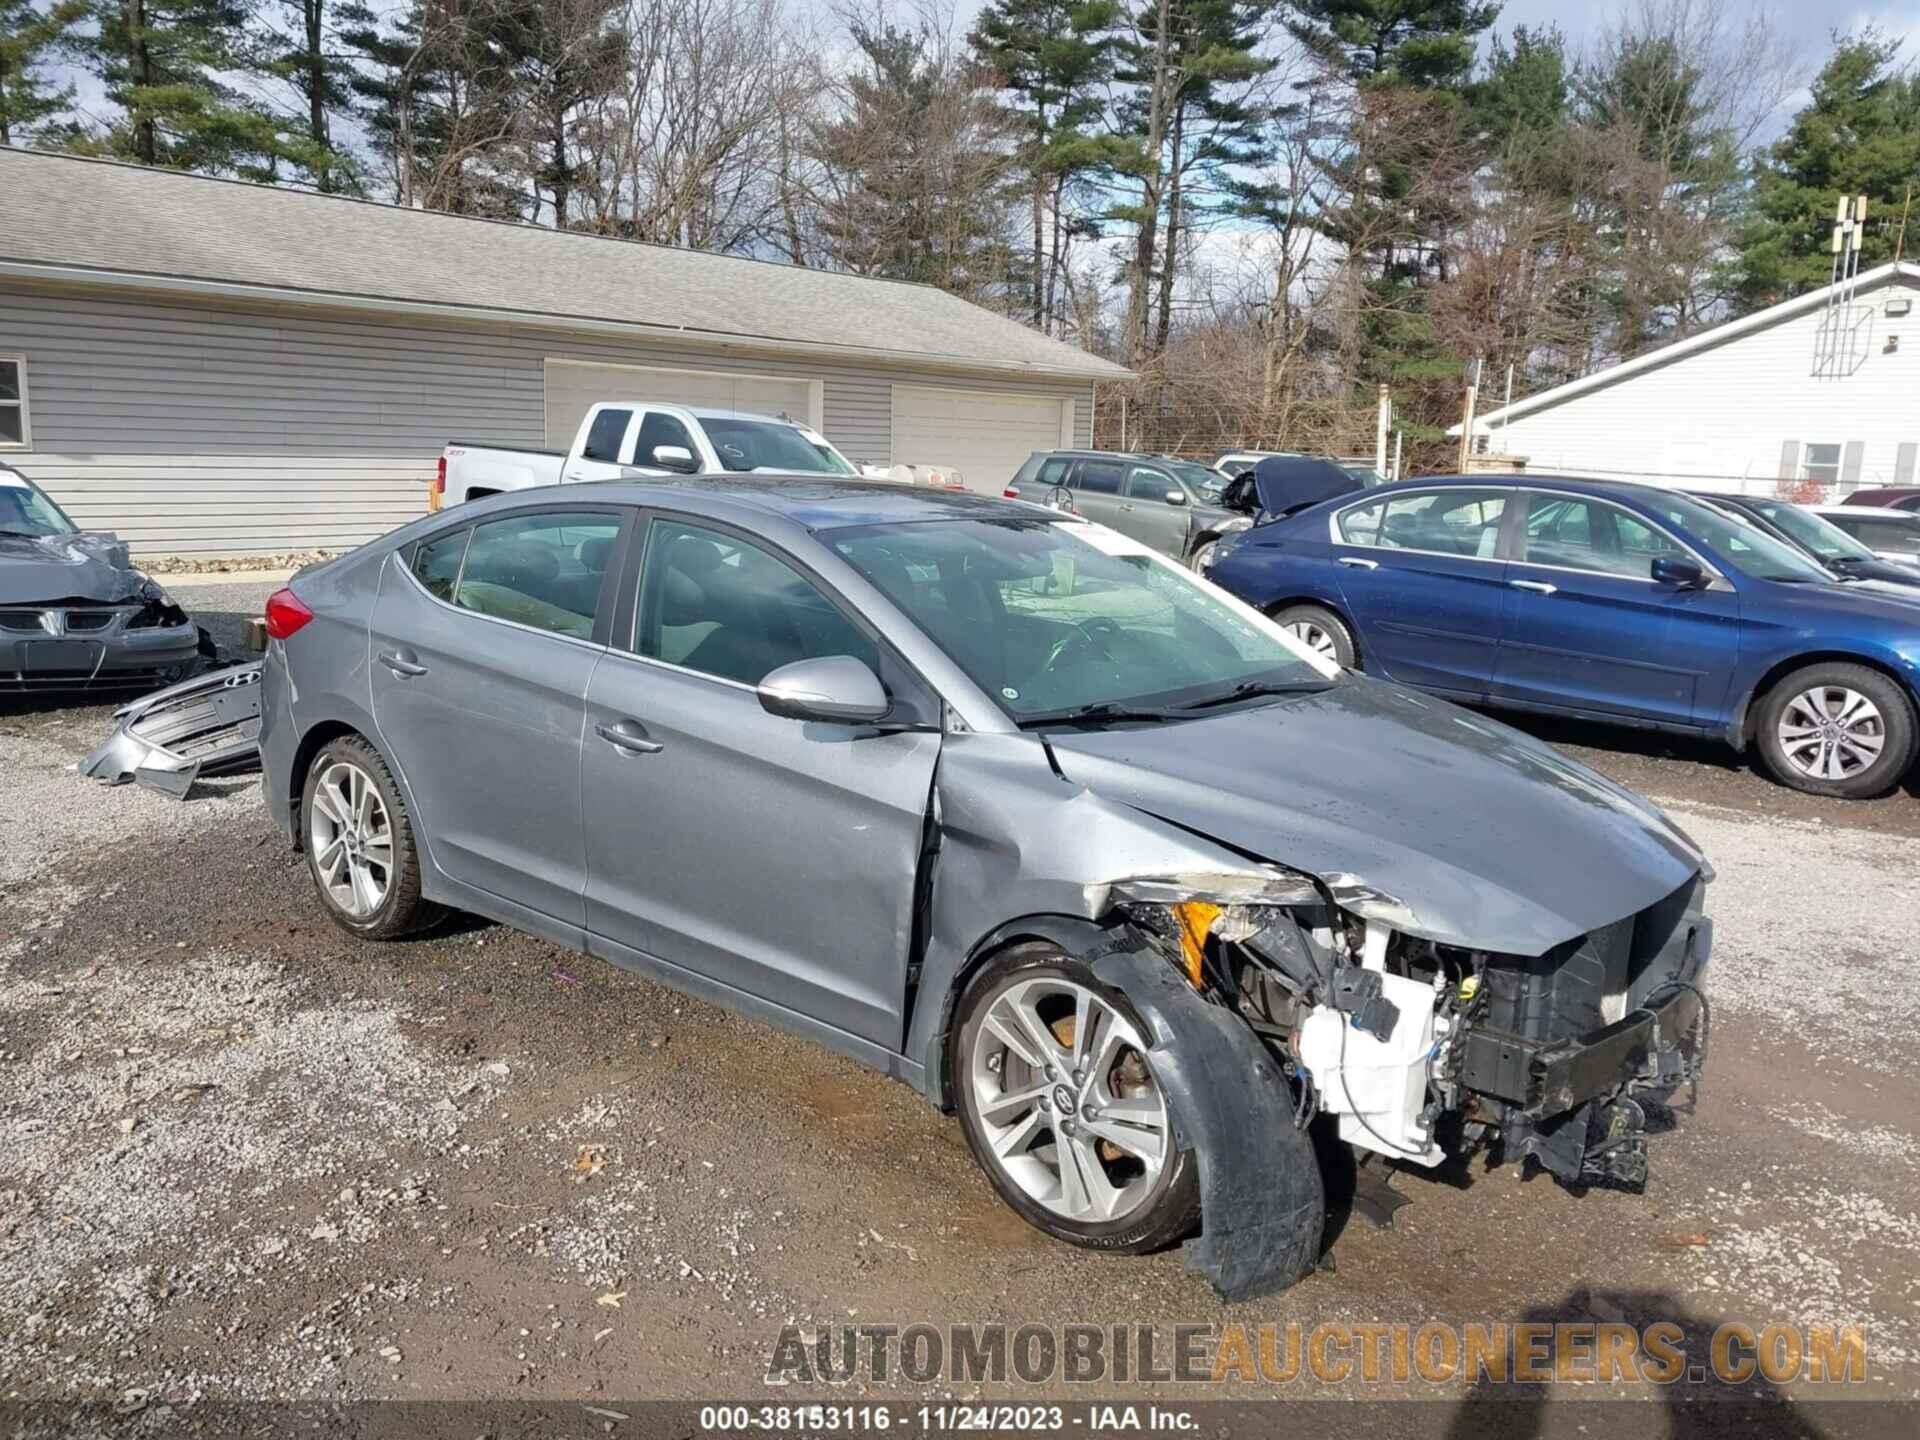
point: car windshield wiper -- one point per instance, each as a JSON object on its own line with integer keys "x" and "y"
{"x": 1248, "y": 689}
{"x": 1106, "y": 712}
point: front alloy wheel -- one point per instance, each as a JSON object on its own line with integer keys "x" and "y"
{"x": 1058, "y": 1095}
{"x": 1838, "y": 729}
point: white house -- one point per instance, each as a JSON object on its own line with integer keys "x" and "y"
{"x": 1824, "y": 387}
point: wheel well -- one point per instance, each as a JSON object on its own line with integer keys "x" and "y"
{"x": 1750, "y": 720}
{"x": 1353, "y": 631}
{"x": 303, "y": 754}
{"x": 479, "y": 492}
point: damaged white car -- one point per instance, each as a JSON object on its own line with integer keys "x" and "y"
{"x": 1003, "y": 804}
{"x": 74, "y": 613}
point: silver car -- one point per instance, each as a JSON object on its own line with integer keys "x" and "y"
{"x": 1008, "y": 806}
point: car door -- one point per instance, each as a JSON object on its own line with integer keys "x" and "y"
{"x": 1149, "y": 516}
{"x": 1424, "y": 582}
{"x": 603, "y": 453}
{"x": 1096, "y": 486}
{"x": 657, "y": 429}
{"x": 773, "y": 856}
{"x": 1586, "y": 627}
{"x": 481, "y": 644}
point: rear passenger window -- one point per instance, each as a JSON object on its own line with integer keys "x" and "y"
{"x": 604, "y": 436}
{"x": 1444, "y": 522}
{"x": 436, "y": 563}
{"x": 718, "y": 605}
{"x": 543, "y": 570}
{"x": 1097, "y": 477}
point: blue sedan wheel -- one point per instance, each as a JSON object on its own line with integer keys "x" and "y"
{"x": 1841, "y": 730}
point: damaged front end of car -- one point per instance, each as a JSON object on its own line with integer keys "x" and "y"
{"x": 206, "y": 726}
{"x": 1419, "y": 1049}
{"x": 75, "y": 615}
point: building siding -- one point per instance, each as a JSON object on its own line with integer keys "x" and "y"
{"x": 209, "y": 430}
{"x": 1733, "y": 416}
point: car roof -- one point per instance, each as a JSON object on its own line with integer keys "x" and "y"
{"x": 1529, "y": 480}
{"x": 708, "y": 412}
{"x": 1878, "y": 512}
{"x": 811, "y": 501}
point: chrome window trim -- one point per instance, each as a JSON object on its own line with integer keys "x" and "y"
{"x": 1714, "y": 575}
{"x": 1336, "y": 538}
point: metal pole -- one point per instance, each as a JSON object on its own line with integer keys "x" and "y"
{"x": 1399, "y": 438}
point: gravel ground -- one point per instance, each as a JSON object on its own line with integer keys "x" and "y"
{"x": 245, "y": 1156}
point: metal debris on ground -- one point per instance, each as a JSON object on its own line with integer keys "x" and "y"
{"x": 209, "y": 725}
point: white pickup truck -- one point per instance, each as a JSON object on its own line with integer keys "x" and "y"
{"x": 619, "y": 438}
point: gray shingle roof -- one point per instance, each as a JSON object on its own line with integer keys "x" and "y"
{"x": 127, "y": 220}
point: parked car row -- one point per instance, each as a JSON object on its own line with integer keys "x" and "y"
{"x": 1623, "y": 603}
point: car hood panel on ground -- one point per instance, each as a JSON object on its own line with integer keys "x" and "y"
{"x": 34, "y": 569}
{"x": 1484, "y": 838}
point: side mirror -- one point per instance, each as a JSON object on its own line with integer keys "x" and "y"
{"x": 676, "y": 458}
{"x": 835, "y": 688}
{"x": 1176, "y": 497}
{"x": 1681, "y": 574}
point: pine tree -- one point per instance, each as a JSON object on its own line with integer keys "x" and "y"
{"x": 303, "y": 47}
{"x": 1051, "y": 56}
{"x": 1859, "y": 134}
{"x": 167, "y": 65}
{"x": 1429, "y": 44}
{"x": 563, "y": 53}
{"x": 31, "y": 37}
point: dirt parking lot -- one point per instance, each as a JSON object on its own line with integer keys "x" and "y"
{"x": 243, "y": 1156}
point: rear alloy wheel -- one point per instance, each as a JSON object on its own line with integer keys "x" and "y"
{"x": 1057, "y": 1095}
{"x": 1840, "y": 730}
{"x": 1202, "y": 556}
{"x": 359, "y": 843}
{"x": 1321, "y": 631}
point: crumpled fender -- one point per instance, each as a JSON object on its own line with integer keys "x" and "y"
{"x": 1262, "y": 1204}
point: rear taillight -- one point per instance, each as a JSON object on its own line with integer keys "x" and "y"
{"x": 286, "y": 613}
{"x": 1012, "y": 492}
{"x": 438, "y": 492}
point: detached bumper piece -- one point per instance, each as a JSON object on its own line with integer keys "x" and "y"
{"x": 209, "y": 725}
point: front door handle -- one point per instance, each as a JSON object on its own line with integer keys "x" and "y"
{"x": 1539, "y": 587}
{"x": 1358, "y": 563}
{"x": 402, "y": 663}
{"x": 629, "y": 737}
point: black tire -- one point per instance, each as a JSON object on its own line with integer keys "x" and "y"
{"x": 1171, "y": 1210}
{"x": 1895, "y": 729}
{"x": 1325, "y": 622}
{"x": 401, "y": 911}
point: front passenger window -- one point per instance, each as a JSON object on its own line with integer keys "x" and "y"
{"x": 718, "y": 605}
{"x": 543, "y": 570}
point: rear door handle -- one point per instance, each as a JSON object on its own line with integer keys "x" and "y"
{"x": 402, "y": 663}
{"x": 1358, "y": 563}
{"x": 1539, "y": 587}
{"x": 629, "y": 737}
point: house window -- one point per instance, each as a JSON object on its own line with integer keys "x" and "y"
{"x": 14, "y": 431}
{"x": 1822, "y": 463}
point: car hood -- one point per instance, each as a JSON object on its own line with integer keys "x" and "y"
{"x": 1410, "y": 810}
{"x": 87, "y": 565}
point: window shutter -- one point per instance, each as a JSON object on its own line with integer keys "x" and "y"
{"x": 1789, "y": 459}
{"x": 1850, "y": 464}
{"x": 1903, "y": 462}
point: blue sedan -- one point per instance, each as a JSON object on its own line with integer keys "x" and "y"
{"x": 1622, "y": 603}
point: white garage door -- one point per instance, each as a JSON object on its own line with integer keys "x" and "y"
{"x": 573, "y": 388}
{"x": 987, "y": 434}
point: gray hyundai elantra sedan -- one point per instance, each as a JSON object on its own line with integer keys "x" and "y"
{"x": 1005, "y": 805}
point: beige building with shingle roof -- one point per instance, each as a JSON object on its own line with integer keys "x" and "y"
{"x": 213, "y": 367}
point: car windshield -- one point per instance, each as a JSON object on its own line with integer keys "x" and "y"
{"x": 1751, "y": 551}
{"x": 835, "y": 464}
{"x": 765, "y": 445}
{"x": 25, "y": 511}
{"x": 1055, "y": 618}
{"x": 1826, "y": 540}
{"x": 1203, "y": 481}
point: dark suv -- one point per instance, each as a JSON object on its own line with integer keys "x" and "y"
{"x": 1170, "y": 505}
